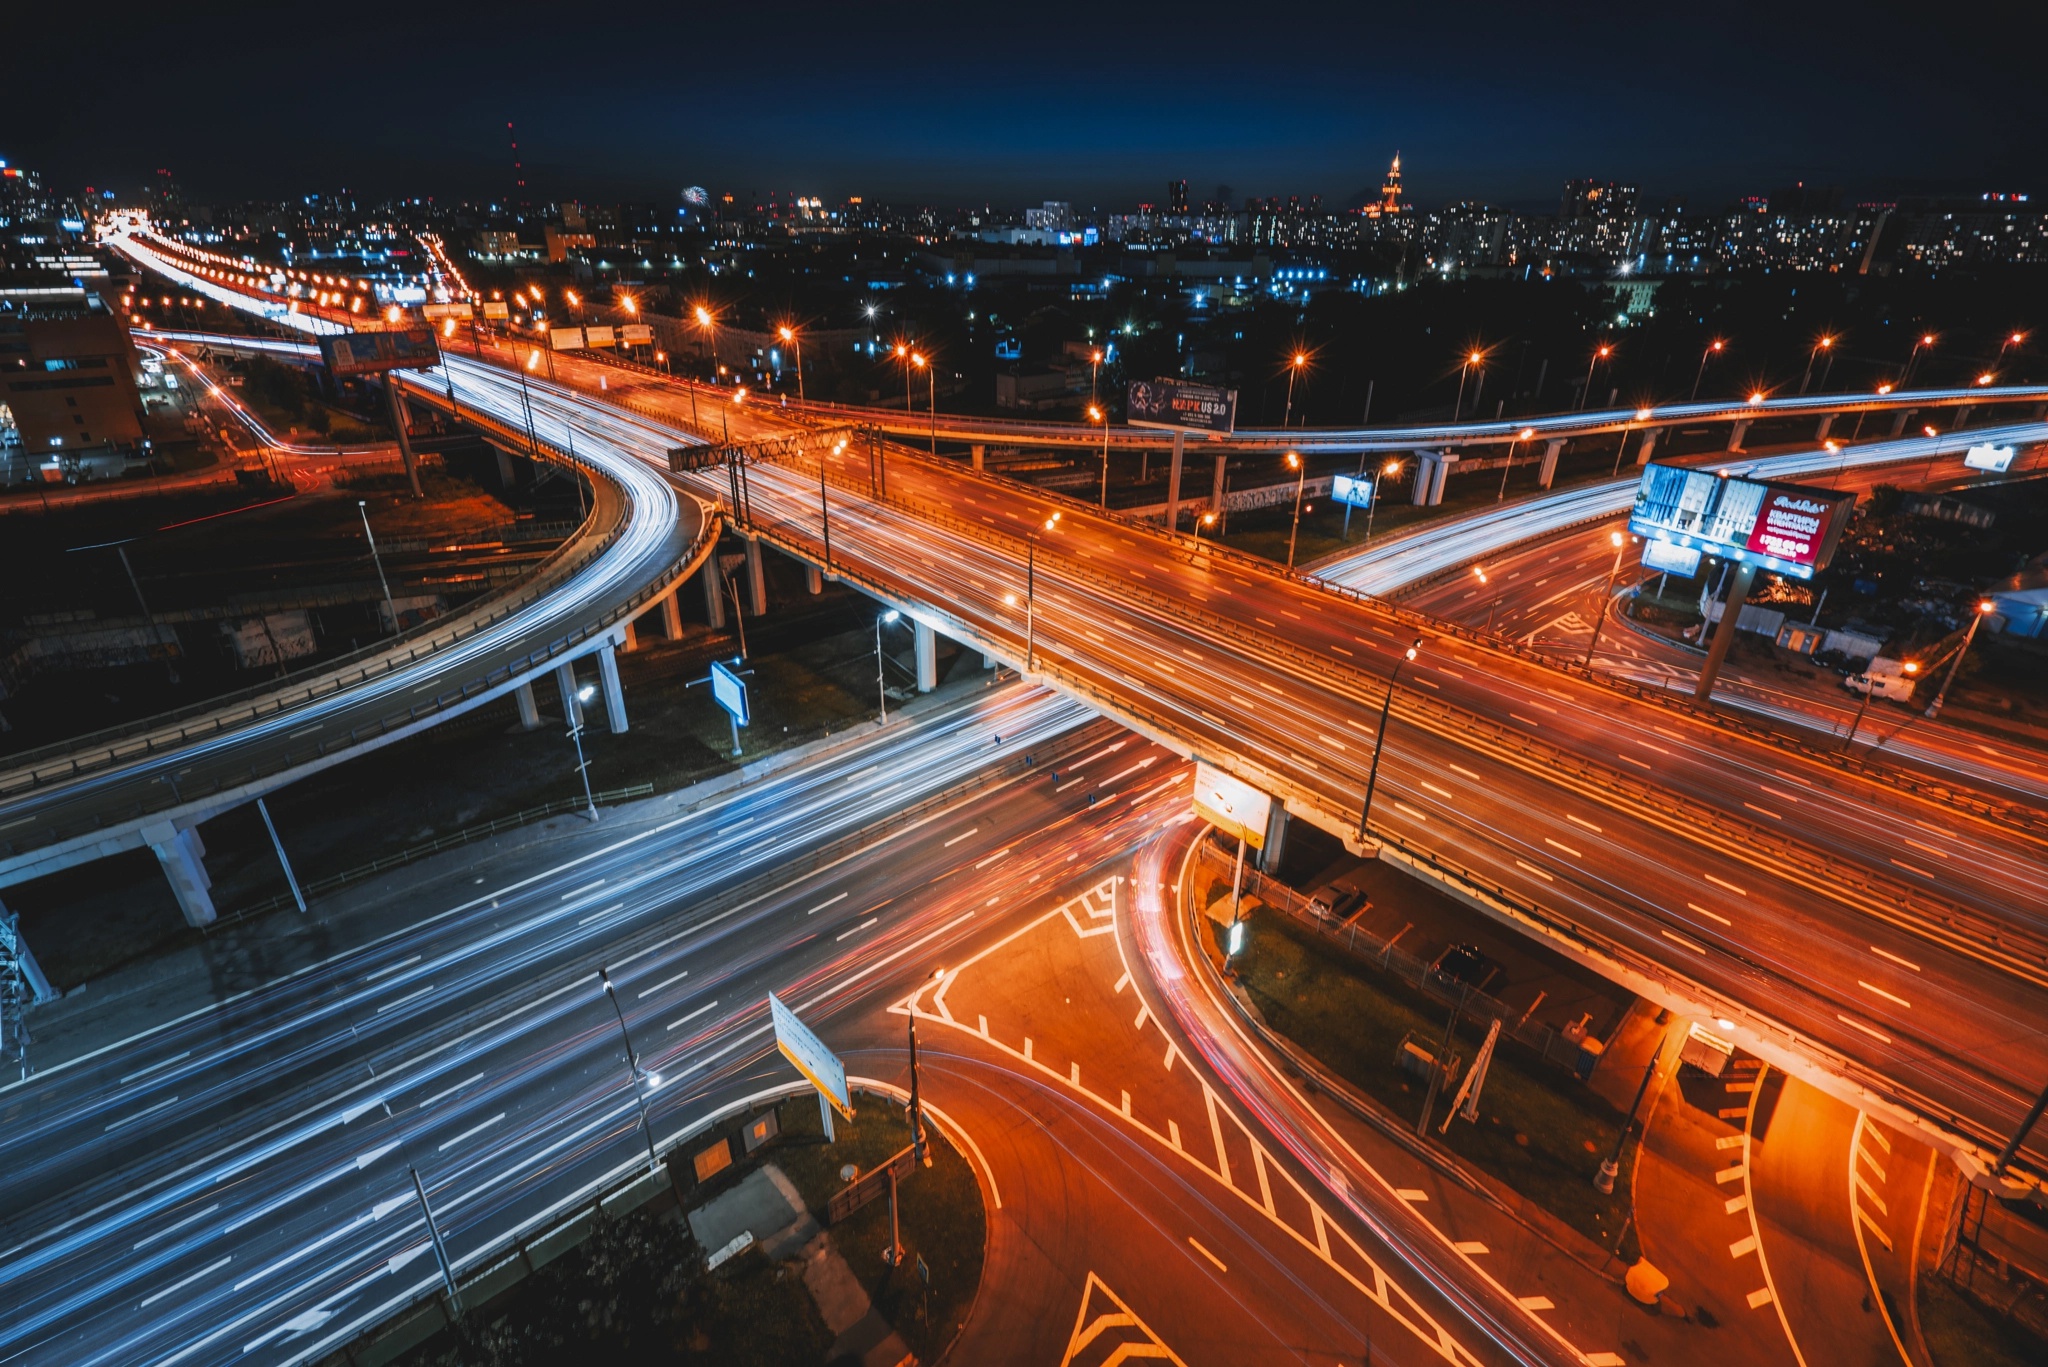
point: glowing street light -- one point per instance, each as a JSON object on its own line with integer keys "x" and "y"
{"x": 931, "y": 403}
{"x": 1051, "y": 524}
{"x": 1825, "y": 342}
{"x": 1606, "y": 595}
{"x": 1295, "y": 365}
{"x": 1474, "y": 358}
{"x": 1300, "y": 468}
{"x": 795, "y": 339}
{"x": 1101, "y": 415}
{"x": 1714, "y": 348}
{"x": 1379, "y": 743}
{"x": 1520, "y": 437}
{"x": 1985, "y": 608}
{"x": 1600, "y": 353}
{"x": 881, "y": 687}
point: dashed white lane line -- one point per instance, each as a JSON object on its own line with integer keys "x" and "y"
{"x": 1536, "y": 1303}
{"x": 578, "y": 892}
{"x": 828, "y": 902}
{"x": 600, "y": 915}
{"x": 1912, "y": 868}
{"x": 992, "y": 858}
{"x": 872, "y": 920}
{"x": 693, "y": 1015}
{"x": 976, "y": 830}
{"x": 158, "y": 1066}
{"x": 184, "y": 1282}
{"x": 1196, "y": 1244}
{"x": 393, "y": 968}
{"x": 451, "y": 1091}
{"x": 1678, "y": 939}
{"x": 1888, "y": 996}
{"x": 1560, "y": 845}
{"x": 1419, "y": 816}
{"x": 1538, "y": 872}
{"x": 1853, "y": 1024}
{"x": 1581, "y": 821}
{"x": 173, "y": 1229}
{"x": 1440, "y": 792}
{"x": 1470, "y": 1247}
{"x": 470, "y": 1133}
{"x": 410, "y": 996}
{"x": 1461, "y": 769}
{"x": 665, "y": 982}
{"x": 1711, "y": 915}
{"x": 1724, "y": 883}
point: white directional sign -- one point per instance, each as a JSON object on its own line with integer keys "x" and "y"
{"x": 1231, "y": 804}
{"x": 729, "y": 691}
{"x": 819, "y": 1065}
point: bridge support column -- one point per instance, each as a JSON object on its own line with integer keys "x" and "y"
{"x": 529, "y": 710}
{"x": 1276, "y": 839}
{"x": 1180, "y": 442}
{"x": 506, "y": 477}
{"x": 1737, "y": 433}
{"x": 1724, "y": 632}
{"x": 757, "y": 581}
{"x": 1216, "y": 495}
{"x": 714, "y": 591}
{"x": 1827, "y": 421}
{"x": 1551, "y": 450}
{"x": 978, "y": 453}
{"x": 40, "y": 988}
{"x": 1962, "y": 416}
{"x": 398, "y": 421}
{"x": 988, "y": 661}
{"x": 814, "y": 579}
{"x": 614, "y": 695}
{"x": 1444, "y": 462}
{"x": 1649, "y": 445}
{"x": 182, "y": 854}
{"x": 1425, "y": 478}
{"x": 671, "y": 616}
{"x": 565, "y": 679}
{"x": 1905, "y": 415}
{"x": 630, "y": 636}
{"x": 927, "y": 657}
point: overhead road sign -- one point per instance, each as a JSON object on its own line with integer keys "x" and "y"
{"x": 1351, "y": 489}
{"x": 565, "y": 339}
{"x": 497, "y": 310}
{"x": 1996, "y": 459}
{"x": 457, "y": 310}
{"x": 637, "y": 334}
{"x": 371, "y": 353}
{"x": 599, "y": 335}
{"x": 1790, "y": 528}
{"x": 819, "y": 1065}
{"x": 729, "y": 691}
{"x": 1182, "y": 407}
{"x": 1231, "y": 804}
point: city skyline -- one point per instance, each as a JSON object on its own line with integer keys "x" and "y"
{"x": 1010, "y": 109}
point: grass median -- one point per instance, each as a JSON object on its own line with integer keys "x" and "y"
{"x": 1540, "y": 1132}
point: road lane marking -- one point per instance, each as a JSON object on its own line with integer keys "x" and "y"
{"x": 1410, "y": 1194}
{"x": 872, "y": 920}
{"x": 578, "y": 892}
{"x": 391, "y": 968}
{"x": 305, "y": 730}
{"x": 1678, "y": 939}
{"x": 828, "y": 902}
{"x": 1440, "y": 792}
{"x": 448, "y": 1092}
{"x": 471, "y": 1132}
{"x": 1461, "y": 769}
{"x": 1332, "y": 742}
{"x": 1631, "y": 759}
{"x": 130, "y": 1120}
{"x": 1419, "y": 816}
{"x": 1535, "y": 1303}
{"x": 1859, "y": 1025}
{"x": 1888, "y": 996}
{"x": 1759, "y": 1299}
{"x": 1581, "y": 821}
{"x": 1197, "y": 1245}
{"x": 1712, "y": 915}
{"x": 1777, "y": 792}
{"x": 157, "y": 1066}
{"x": 1912, "y": 868}
{"x": 1538, "y": 872}
{"x": 731, "y": 826}
{"x": 408, "y": 997}
{"x": 184, "y": 1282}
{"x": 1469, "y": 1247}
{"x": 976, "y": 830}
{"x": 1743, "y": 1247}
{"x": 665, "y": 982}
{"x": 1937, "y": 853}
{"x": 1722, "y": 882}
{"x": 1765, "y": 810}
{"x": 693, "y": 1015}
{"x": 600, "y": 915}
{"x": 173, "y": 1229}
{"x": 1560, "y": 845}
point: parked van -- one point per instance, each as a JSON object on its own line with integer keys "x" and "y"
{"x": 1898, "y": 687}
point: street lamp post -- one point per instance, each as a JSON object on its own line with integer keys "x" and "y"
{"x": 881, "y": 684}
{"x": 633, "y": 1068}
{"x": 1984, "y": 609}
{"x": 1641, "y": 415}
{"x": 1379, "y": 743}
{"x": 1493, "y": 603}
{"x": 1031, "y": 588}
{"x": 363, "y": 507}
{"x": 1610, "y": 1167}
{"x": 583, "y": 697}
{"x": 1387, "y": 472}
{"x": 1606, "y": 596}
{"x": 2012, "y": 339}
{"x": 1713, "y": 349}
{"x": 1826, "y": 343}
{"x": 1294, "y": 368}
{"x": 1300, "y": 468}
{"x": 931, "y": 395}
{"x": 1101, "y": 415}
{"x": 796, "y": 339}
{"x": 1520, "y": 437}
{"x": 1600, "y": 353}
{"x": 1472, "y": 358}
{"x": 1925, "y": 340}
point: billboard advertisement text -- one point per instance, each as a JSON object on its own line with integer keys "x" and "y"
{"x": 1174, "y": 404}
{"x": 372, "y": 353}
{"x": 1789, "y": 528}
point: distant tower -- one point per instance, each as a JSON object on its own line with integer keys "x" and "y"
{"x": 1390, "y": 190}
{"x": 1176, "y": 196}
{"x": 518, "y": 171}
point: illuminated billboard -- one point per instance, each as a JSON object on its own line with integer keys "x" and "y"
{"x": 1351, "y": 489}
{"x": 1789, "y": 528}
{"x": 1232, "y": 805}
{"x": 371, "y": 353}
{"x": 1188, "y": 407}
{"x": 1669, "y": 557}
{"x": 1997, "y": 459}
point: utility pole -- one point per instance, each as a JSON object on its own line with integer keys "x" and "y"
{"x": 363, "y": 507}
{"x": 633, "y": 1068}
{"x": 1606, "y": 596}
{"x": 1380, "y": 741}
{"x": 1610, "y": 1167}
{"x": 440, "y": 1248}
{"x": 290, "y": 879}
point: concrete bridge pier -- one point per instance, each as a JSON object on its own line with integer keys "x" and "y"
{"x": 1649, "y": 445}
{"x": 1904, "y": 416}
{"x": 988, "y": 661}
{"x": 40, "y": 988}
{"x": 614, "y": 693}
{"x": 182, "y": 854}
{"x": 529, "y": 710}
{"x": 629, "y": 638}
{"x": 1551, "y": 451}
{"x": 714, "y": 591}
{"x": 1962, "y": 416}
{"x": 1216, "y": 495}
{"x": 1737, "y": 433}
{"x": 814, "y": 580}
{"x": 978, "y": 452}
{"x": 1276, "y": 838}
{"x": 757, "y": 581}
{"x": 1827, "y": 421}
{"x": 927, "y": 657}
{"x": 1431, "y": 470}
{"x": 507, "y": 479}
{"x": 565, "y": 680}
{"x": 671, "y": 615}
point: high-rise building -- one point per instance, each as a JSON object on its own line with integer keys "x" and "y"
{"x": 1176, "y": 196}
{"x": 1389, "y": 203}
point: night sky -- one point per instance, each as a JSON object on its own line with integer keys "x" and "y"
{"x": 1017, "y": 102}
